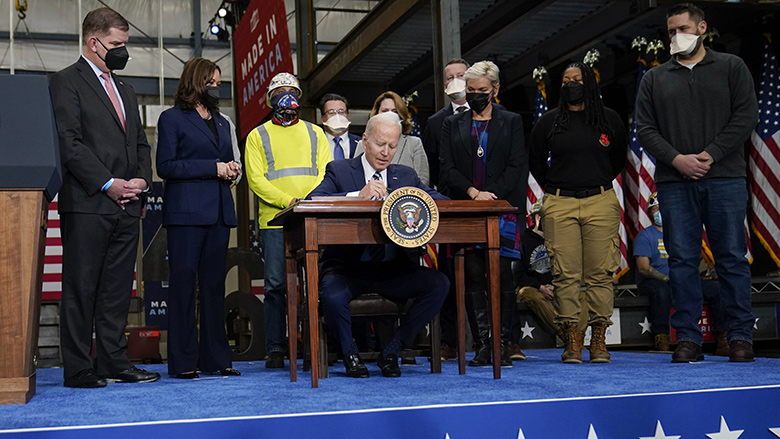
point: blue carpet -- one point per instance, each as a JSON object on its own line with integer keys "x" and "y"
{"x": 261, "y": 392}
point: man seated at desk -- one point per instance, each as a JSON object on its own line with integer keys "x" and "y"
{"x": 347, "y": 272}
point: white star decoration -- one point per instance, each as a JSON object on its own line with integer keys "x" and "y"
{"x": 775, "y": 431}
{"x": 520, "y": 434}
{"x": 528, "y": 331}
{"x": 725, "y": 432}
{"x": 592, "y": 433}
{"x": 755, "y": 324}
{"x": 659, "y": 433}
{"x": 645, "y": 326}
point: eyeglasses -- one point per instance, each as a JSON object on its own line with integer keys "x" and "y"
{"x": 339, "y": 111}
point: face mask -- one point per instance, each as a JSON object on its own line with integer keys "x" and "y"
{"x": 338, "y": 124}
{"x": 285, "y": 107}
{"x": 478, "y": 101}
{"x": 573, "y": 92}
{"x": 657, "y": 219}
{"x": 683, "y": 44}
{"x": 211, "y": 97}
{"x": 116, "y": 58}
{"x": 456, "y": 89}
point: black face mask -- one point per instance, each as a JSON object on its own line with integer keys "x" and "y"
{"x": 116, "y": 58}
{"x": 210, "y": 98}
{"x": 573, "y": 92}
{"x": 478, "y": 101}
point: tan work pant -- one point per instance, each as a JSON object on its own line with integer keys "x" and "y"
{"x": 581, "y": 235}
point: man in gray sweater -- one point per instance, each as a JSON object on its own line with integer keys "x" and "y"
{"x": 694, "y": 114}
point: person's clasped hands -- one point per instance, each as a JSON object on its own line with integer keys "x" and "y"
{"x": 228, "y": 171}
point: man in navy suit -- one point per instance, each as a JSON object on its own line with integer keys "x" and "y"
{"x": 346, "y": 272}
{"x": 455, "y": 87}
{"x": 106, "y": 166}
{"x": 334, "y": 111}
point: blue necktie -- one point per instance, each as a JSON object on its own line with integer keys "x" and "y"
{"x": 377, "y": 176}
{"x": 338, "y": 152}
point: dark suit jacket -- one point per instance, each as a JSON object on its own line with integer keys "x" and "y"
{"x": 187, "y": 156}
{"x": 353, "y": 141}
{"x": 344, "y": 176}
{"x": 507, "y": 158}
{"x": 432, "y": 141}
{"x": 93, "y": 146}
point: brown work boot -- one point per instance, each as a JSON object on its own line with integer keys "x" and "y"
{"x": 598, "y": 343}
{"x": 662, "y": 343}
{"x": 721, "y": 344}
{"x": 560, "y": 333}
{"x": 573, "y": 348}
{"x": 515, "y": 353}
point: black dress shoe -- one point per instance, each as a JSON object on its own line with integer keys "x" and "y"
{"x": 85, "y": 379}
{"x": 687, "y": 352}
{"x": 355, "y": 366}
{"x": 741, "y": 351}
{"x": 275, "y": 360}
{"x": 482, "y": 357}
{"x": 188, "y": 375}
{"x": 389, "y": 365}
{"x": 229, "y": 372}
{"x": 133, "y": 375}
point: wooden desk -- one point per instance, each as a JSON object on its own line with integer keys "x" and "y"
{"x": 310, "y": 224}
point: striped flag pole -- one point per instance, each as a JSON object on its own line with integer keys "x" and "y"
{"x": 764, "y": 161}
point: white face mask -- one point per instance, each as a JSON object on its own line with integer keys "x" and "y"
{"x": 337, "y": 123}
{"x": 683, "y": 44}
{"x": 456, "y": 89}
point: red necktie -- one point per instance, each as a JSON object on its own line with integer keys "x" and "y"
{"x": 114, "y": 98}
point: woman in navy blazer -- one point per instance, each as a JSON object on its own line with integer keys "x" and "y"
{"x": 196, "y": 159}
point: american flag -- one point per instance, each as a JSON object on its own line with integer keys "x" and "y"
{"x": 536, "y": 192}
{"x": 764, "y": 162}
{"x": 617, "y": 185}
{"x": 640, "y": 171}
{"x": 52, "y": 259}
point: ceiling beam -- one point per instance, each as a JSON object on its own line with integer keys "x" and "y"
{"x": 369, "y": 32}
{"x": 494, "y": 20}
{"x": 595, "y": 28}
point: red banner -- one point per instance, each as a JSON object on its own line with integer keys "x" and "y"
{"x": 262, "y": 49}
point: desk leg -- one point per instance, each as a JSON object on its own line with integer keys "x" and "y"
{"x": 312, "y": 282}
{"x": 494, "y": 285}
{"x": 435, "y": 345}
{"x": 292, "y": 315}
{"x": 460, "y": 301}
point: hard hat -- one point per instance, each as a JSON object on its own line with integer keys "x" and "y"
{"x": 652, "y": 201}
{"x": 282, "y": 80}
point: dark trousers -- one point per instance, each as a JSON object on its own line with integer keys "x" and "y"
{"x": 98, "y": 256}
{"x": 197, "y": 253}
{"x": 398, "y": 282}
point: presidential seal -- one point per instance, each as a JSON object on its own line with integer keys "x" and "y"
{"x": 410, "y": 217}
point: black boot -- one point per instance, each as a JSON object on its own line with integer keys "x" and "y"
{"x": 477, "y": 311}
{"x": 508, "y": 304}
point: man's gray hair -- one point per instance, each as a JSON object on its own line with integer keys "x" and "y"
{"x": 480, "y": 69}
{"x": 387, "y": 118}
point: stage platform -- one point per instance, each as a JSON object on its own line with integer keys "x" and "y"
{"x": 639, "y": 395}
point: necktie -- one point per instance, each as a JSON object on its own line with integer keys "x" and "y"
{"x": 114, "y": 98}
{"x": 376, "y": 252}
{"x": 460, "y": 109}
{"x": 338, "y": 152}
